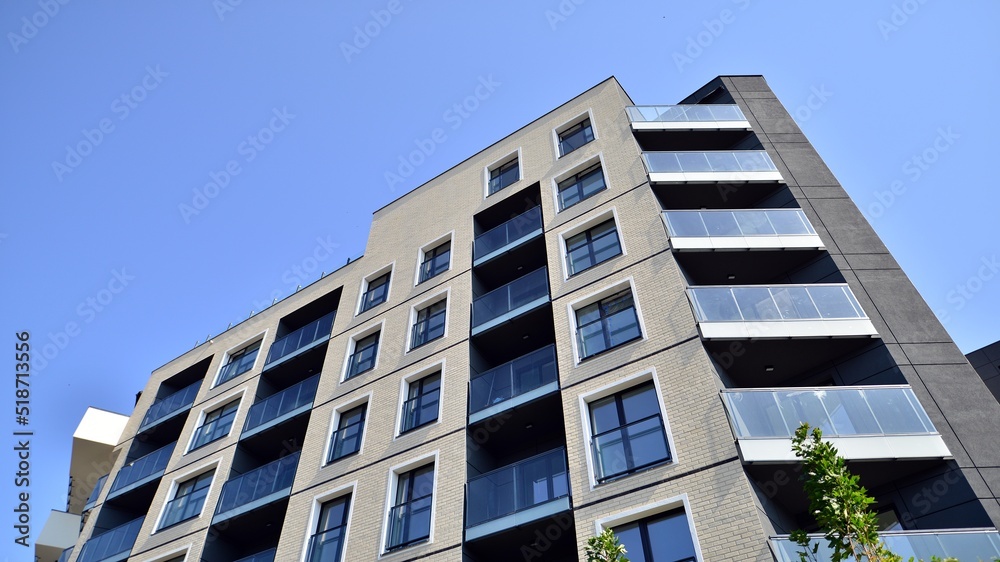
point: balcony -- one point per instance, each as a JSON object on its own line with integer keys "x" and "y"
{"x": 277, "y": 408}
{"x": 92, "y": 500}
{"x": 739, "y": 166}
{"x": 750, "y": 229}
{"x": 113, "y": 545}
{"x": 513, "y": 299}
{"x": 691, "y": 117}
{"x": 514, "y": 383}
{"x": 266, "y": 556}
{"x": 968, "y": 544}
{"x": 66, "y": 554}
{"x": 507, "y": 236}
{"x": 256, "y": 488}
{"x": 300, "y": 341}
{"x": 172, "y": 405}
{"x": 779, "y": 311}
{"x": 515, "y": 495}
{"x": 141, "y": 471}
{"x": 864, "y": 423}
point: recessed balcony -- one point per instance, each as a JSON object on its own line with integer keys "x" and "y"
{"x": 507, "y": 236}
{"x": 966, "y": 544}
{"x": 749, "y": 229}
{"x": 169, "y": 407}
{"x": 266, "y": 556}
{"x": 96, "y": 493}
{"x": 277, "y": 408}
{"x": 864, "y": 423}
{"x": 779, "y": 312}
{"x": 691, "y": 117}
{"x": 141, "y": 471}
{"x": 514, "y": 383}
{"x": 511, "y": 300}
{"x": 717, "y": 166}
{"x": 301, "y": 340}
{"x": 256, "y": 488}
{"x": 112, "y": 545}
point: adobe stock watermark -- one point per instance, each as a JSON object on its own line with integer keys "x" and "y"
{"x": 30, "y": 26}
{"x": 713, "y": 29}
{"x": 900, "y": 16}
{"x": 367, "y": 32}
{"x": 299, "y": 273}
{"x": 122, "y": 106}
{"x": 563, "y": 11}
{"x": 913, "y": 168}
{"x": 455, "y": 116}
{"x": 249, "y": 149}
{"x": 964, "y": 292}
{"x": 224, "y": 7}
{"x": 818, "y": 96}
{"x": 87, "y": 311}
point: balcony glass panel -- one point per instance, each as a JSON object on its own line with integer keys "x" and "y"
{"x": 92, "y": 500}
{"x": 409, "y": 522}
{"x": 175, "y": 402}
{"x": 517, "y": 487}
{"x": 266, "y": 556}
{"x": 110, "y": 543}
{"x": 327, "y": 546}
{"x": 514, "y": 229}
{"x": 918, "y": 545}
{"x": 714, "y": 161}
{"x": 684, "y": 113}
{"x": 258, "y": 483}
{"x": 778, "y": 302}
{"x": 517, "y": 293}
{"x": 143, "y": 467}
{"x": 300, "y": 338}
{"x": 838, "y": 411}
{"x": 511, "y": 379}
{"x": 280, "y": 404}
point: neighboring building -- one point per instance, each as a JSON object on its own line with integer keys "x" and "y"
{"x": 986, "y": 362}
{"x": 614, "y": 317}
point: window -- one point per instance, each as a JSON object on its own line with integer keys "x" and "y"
{"x": 216, "y": 425}
{"x": 346, "y": 440}
{"x": 607, "y": 323}
{"x": 661, "y": 538}
{"x": 592, "y": 246}
{"x": 436, "y": 261}
{"x": 421, "y": 404}
{"x": 410, "y": 516}
{"x": 363, "y": 358}
{"x": 627, "y": 432}
{"x": 327, "y": 544}
{"x": 239, "y": 363}
{"x": 504, "y": 175}
{"x": 581, "y": 186}
{"x": 430, "y": 324}
{"x": 575, "y": 137}
{"x": 376, "y": 292}
{"x": 188, "y": 500}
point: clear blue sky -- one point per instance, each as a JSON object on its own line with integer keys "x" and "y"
{"x": 115, "y": 114}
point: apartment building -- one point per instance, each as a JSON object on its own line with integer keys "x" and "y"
{"x": 614, "y": 318}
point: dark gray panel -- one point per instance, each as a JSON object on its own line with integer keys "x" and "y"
{"x": 872, "y": 261}
{"x": 748, "y": 83}
{"x": 825, "y": 192}
{"x": 992, "y": 478}
{"x": 757, "y": 95}
{"x": 971, "y": 411}
{"x": 787, "y": 137}
{"x": 969, "y": 514}
{"x": 772, "y": 117}
{"x": 805, "y": 165}
{"x": 901, "y": 307}
{"x": 977, "y": 358}
{"x": 848, "y": 227}
{"x": 934, "y": 354}
{"x": 993, "y": 384}
{"x": 870, "y": 362}
{"x": 992, "y": 351}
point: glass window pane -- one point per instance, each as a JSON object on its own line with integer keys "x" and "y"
{"x": 693, "y": 161}
{"x": 716, "y": 304}
{"x": 794, "y": 303}
{"x": 721, "y": 224}
{"x": 756, "y": 414}
{"x": 753, "y": 161}
{"x": 647, "y": 442}
{"x": 756, "y": 304}
{"x": 604, "y": 415}
{"x": 663, "y": 162}
{"x": 631, "y": 539}
{"x": 850, "y": 413}
{"x": 754, "y": 223}
{"x": 670, "y": 538}
{"x": 686, "y": 224}
{"x": 832, "y": 302}
{"x": 623, "y": 326}
{"x": 640, "y": 403}
{"x": 804, "y": 406}
{"x": 893, "y": 411}
{"x": 592, "y": 339}
{"x": 789, "y": 222}
{"x": 722, "y": 161}
{"x": 609, "y": 451}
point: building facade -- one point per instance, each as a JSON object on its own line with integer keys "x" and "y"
{"x": 986, "y": 362}
{"x": 612, "y": 318}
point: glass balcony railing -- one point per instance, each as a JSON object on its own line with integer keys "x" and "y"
{"x": 277, "y": 405}
{"x": 257, "y": 484}
{"x": 517, "y": 487}
{"x": 684, "y": 113}
{"x": 141, "y": 468}
{"x": 760, "y": 303}
{"x": 971, "y": 545}
{"x": 512, "y": 379}
{"x": 715, "y": 161}
{"x": 111, "y": 543}
{"x": 266, "y": 556}
{"x": 92, "y": 500}
{"x": 64, "y": 557}
{"x": 311, "y": 332}
{"x": 327, "y": 546}
{"x": 838, "y": 411}
{"x": 520, "y": 292}
{"x": 510, "y": 231}
{"x": 174, "y": 403}
{"x": 750, "y": 222}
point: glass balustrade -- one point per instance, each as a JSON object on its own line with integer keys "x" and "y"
{"x": 749, "y": 222}
{"x": 962, "y": 545}
{"x": 758, "y": 303}
{"x": 684, "y": 113}
{"x": 517, "y": 487}
{"x": 714, "y": 161}
{"x": 111, "y": 543}
{"x": 258, "y": 483}
{"x": 281, "y": 404}
{"x": 174, "y": 403}
{"x": 518, "y": 293}
{"x": 311, "y": 332}
{"x": 141, "y": 468}
{"x": 508, "y": 232}
{"x": 512, "y": 379}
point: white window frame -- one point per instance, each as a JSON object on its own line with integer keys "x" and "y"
{"x": 317, "y": 506}
{"x": 184, "y": 477}
{"x": 390, "y": 496}
{"x": 228, "y": 354}
{"x": 338, "y": 410}
{"x": 426, "y": 302}
{"x": 500, "y": 162}
{"x": 448, "y": 237}
{"x": 622, "y": 384}
{"x": 352, "y": 343}
{"x": 215, "y": 404}
{"x": 588, "y": 114}
{"x": 576, "y": 169}
{"x": 404, "y": 389}
{"x": 390, "y": 269}
{"x": 651, "y": 510}
{"x": 591, "y": 298}
{"x": 584, "y": 224}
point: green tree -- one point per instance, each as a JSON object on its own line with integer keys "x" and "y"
{"x": 605, "y": 547}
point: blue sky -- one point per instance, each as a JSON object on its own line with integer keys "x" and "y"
{"x": 167, "y": 168}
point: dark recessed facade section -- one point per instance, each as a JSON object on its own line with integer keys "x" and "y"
{"x": 303, "y": 329}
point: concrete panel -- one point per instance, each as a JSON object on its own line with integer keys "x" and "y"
{"x": 902, "y": 308}
{"x": 992, "y": 478}
{"x": 934, "y": 354}
{"x": 772, "y": 117}
{"x": 804, "y": 164}
{"x": 787, "y": 137}
{"x": 744, "y": 84}
{"x": 872, "y": 261}
{"x": 970, "y": 410}
{"x": 848, "y": 227}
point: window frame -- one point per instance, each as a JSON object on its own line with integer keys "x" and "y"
{"x": 595, "y": 161}
{"x": 316, "y": 507}
{"x": 390, "y": 498}
{"x": 211, "y": 467}
{"x": 433, "y": 245}
{"x": 335, "y": 420}
{"x": 227, "y": 358}
{"x": 404, "y": 388}
{"x": 512, "y": 156}
{"x": 366, "y": 286}
{"x": 352, "y": 343}
{"x": 574, "y": 306}
{"x": 419, "y": 382}
{"x": 583, "y": 225}
{"x": 580, "y": 118}
{"x": 205, "y": 421}
{"x": 206, "y": 409}
{"x": 416, "y": 309}
{"x": 650, "y": 511}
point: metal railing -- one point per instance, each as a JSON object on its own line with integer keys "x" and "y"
{"x": 757, "y": 303}
{"x": 524, "y": 374}
{"x": 142, "y": 467}
{"x": 112, "y": 542}
{"x": 175, "y": 402}
{"x": 420, "y": 410}
{"x": 280, "y": 404}
{"x": 749, "y": 222}
{"x": 258, "y": 483}
{"x": 514, "y": 229}
{"x": 409, "y": 522}
{"x": 327, "y": 545}
{"x": 713, "y": 161}
{"x": 684, "y": 113}
{"x": 517, "y": 487}
{"x": 300, "y": 338}
{"x": 428, "y": 329}
{"x": 518, "y": 292}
